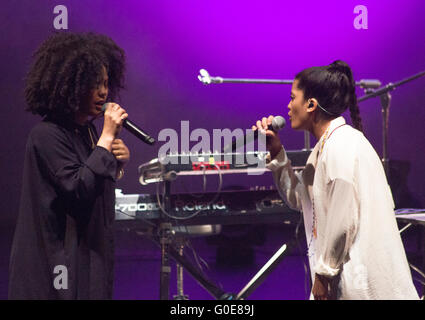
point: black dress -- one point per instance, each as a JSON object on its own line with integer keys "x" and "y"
{"x": 66, "y": 216}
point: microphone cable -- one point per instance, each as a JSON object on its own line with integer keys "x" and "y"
{"x": 197, "y": 212}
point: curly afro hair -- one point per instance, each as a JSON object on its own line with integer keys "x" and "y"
{"x": 67, "y": 66}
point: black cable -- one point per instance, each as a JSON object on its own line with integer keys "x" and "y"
{"x": 307, "y": 276}
{"x": 197, "y": 212}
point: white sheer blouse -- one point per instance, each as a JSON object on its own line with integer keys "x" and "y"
{"x": 348, "y": 213}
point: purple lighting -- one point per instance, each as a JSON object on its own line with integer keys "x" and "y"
{"x": 168, "y": 42}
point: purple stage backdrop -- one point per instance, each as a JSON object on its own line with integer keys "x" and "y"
{"x": 168, "y": 42}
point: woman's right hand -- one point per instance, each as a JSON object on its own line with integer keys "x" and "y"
{"x": 273, "y": 141}
{"x": 113, "y": 119}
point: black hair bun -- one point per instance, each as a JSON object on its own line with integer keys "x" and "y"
{"x": 341, "y": 66}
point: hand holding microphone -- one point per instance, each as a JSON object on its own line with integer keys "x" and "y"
{"x": 114, "y": 116}
{"x": 270, "y": 126}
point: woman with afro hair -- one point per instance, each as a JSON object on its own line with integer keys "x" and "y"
{"x": 63, "y": 246}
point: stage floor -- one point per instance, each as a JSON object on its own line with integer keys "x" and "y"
{"x": 138, "y": 263}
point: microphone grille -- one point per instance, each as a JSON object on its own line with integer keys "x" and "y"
{"x": 278, "y": 123}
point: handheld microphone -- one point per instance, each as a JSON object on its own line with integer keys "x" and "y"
{"x": 277, "y": 124}
{"x": 135, "y": 130}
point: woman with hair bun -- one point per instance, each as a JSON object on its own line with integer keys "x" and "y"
{"x": 354, "y": 246}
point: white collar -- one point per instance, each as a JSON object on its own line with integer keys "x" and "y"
{"x": 335, "y": 123}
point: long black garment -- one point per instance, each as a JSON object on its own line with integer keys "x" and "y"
{"x": 66, "y": 216}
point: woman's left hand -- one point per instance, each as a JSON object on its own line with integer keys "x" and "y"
{"x": 321, "y": 288}
{"x": 120, "y": 151}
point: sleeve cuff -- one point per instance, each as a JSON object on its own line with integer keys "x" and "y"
{"x": 325, "y": 270}
{"x": 280, "y": 160}
{"x": 102, "y": 163}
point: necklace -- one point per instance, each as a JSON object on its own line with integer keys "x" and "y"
{"x": 326, "y": 136}
{"x": 91, "y": 134}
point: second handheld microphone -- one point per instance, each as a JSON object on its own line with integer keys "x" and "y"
{"x": 278, "y": 123}
{"x": 135, "y": 130}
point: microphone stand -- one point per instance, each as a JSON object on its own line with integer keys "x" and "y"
{"x": 368, "y": 85}
{"x": 206, "y": 79}
{"x": 165, "y": 241}
{"x": 385, "y": 99}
